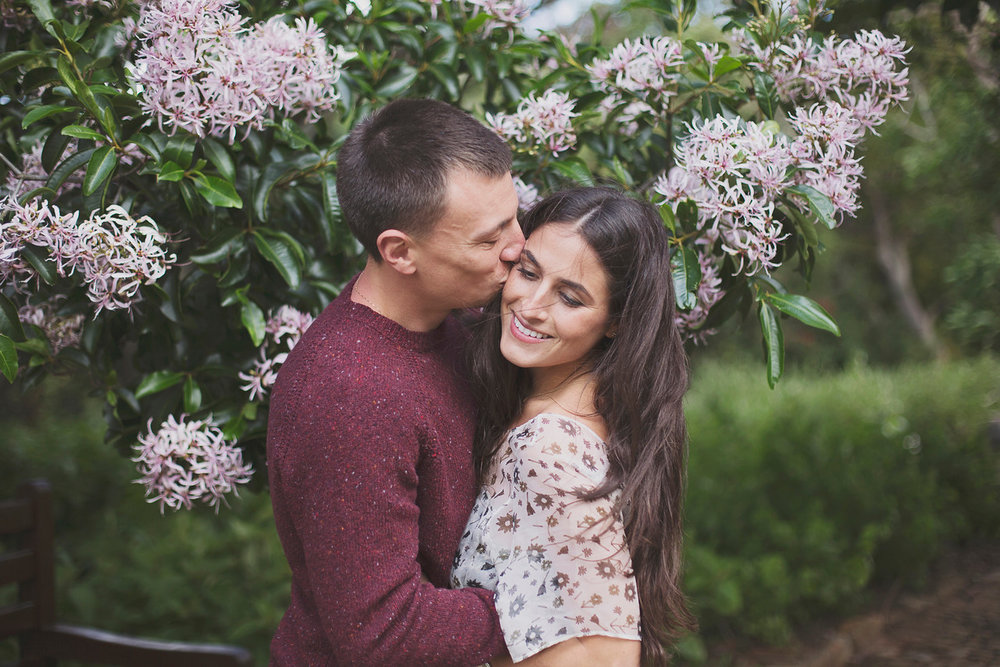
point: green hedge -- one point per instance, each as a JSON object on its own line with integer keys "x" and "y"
{"x": 121, "y": 566}
{"x": 802, "y": 497}
{"x": 799, "y": 499}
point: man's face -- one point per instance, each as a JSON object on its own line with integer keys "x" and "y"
{"x": 464, "y": 260}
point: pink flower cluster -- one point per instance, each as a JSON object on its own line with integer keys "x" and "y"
{"x": 283, "y": 328}
{"x": 506, "y": 13}
{"x": 61, "y": 331}
{"x": 115, "y": 253}
{"x": 544, "y": 123}
{"x": 188, "y": 460}
{"x": 733, "y": 170}
{"x": 527, "y": 194}
{"x": 202, "y": 69}
{"x": 646, "y": 68}
{"x": 32, "y": 174}
{"x": 866, "y": 74}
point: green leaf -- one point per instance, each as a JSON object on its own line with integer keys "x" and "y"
{"x": 806, "y": 228}
{"x": 148, "y": 145}
{"x": 803, "y": 309}
{"x": 277, "y": 252}
{"x": 170, "y": 171}
{"x": 475, "y": 23}
{"x": 621, "y": 173}
{"x": 397, "y": 84}
{"x": 217, "y": 191}
{"x": 272, "y": 173}
{"x": 53, "y": 149}
{"x": 64, "y": 169}
{"x": 331, "y": 206}
{"x": 774, "y": 344}
{"x": 42, "y": 10}
{"x": 687, "y": 214}
{"x": 819, "y": 203}
{"x": 288, "y": 240}
{"x": 726, "y": 65}
{"x": 44, "y": 111}
{"x": 81, "y": 132}
{"x": 192, "y": 395}
{"x": 45, "y": 269}
{"x": 157, "y": 382}
{"x": 219, "y": 248}
{"x": 686, "y": 273}
{"x": 766, "y": 93}
{"x": 99, "y": 169}
{"x": 667, "y": 215}
{"x": 253, "y": 320}
{"x": 10, "y": 323}
{"x": 15, "y": 58}
{"x": 219, "y": 156}
{"x": 8, "y": 358}
{"x": 576, "y": 170}
{"x": 447, "y": 77}
{"x": 179, "y": 149}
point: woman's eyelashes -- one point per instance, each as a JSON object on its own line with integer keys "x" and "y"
{"x": 564, "y": 296}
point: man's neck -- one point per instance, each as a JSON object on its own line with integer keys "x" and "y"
{"x": 391, "y": 295}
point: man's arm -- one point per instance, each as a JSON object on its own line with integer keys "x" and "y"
{"x": 349, "y": 487}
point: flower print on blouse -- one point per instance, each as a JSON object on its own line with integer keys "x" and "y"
{"x": 559, "y": 568}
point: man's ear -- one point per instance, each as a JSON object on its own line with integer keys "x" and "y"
{"x": 396, "y": 248}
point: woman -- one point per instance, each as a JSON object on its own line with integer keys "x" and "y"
{"x": 581, "y": 443}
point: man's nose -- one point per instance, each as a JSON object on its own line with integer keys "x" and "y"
{"x": 514, "y": 245}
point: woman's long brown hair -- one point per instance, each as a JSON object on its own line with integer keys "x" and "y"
{"x": 640, "y": 376}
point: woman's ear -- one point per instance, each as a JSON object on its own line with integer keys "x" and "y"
{"x": 612, "y": 331}
{"x": 396, "y": 249}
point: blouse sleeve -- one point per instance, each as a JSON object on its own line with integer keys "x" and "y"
{"x": 568, "y": 572}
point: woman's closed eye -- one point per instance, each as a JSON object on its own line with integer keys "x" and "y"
{"x": 570, "y": 300}
{"x": 527, "y": 273}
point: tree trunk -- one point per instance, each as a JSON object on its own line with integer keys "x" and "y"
{"x": 895, "y": 263}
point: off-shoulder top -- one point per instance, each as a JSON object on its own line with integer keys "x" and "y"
{"x": 558, "y": 566}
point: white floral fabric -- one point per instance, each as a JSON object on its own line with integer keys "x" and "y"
{"x": 558, "y": 566}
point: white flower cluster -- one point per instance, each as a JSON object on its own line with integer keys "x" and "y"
{"x": 527, "y": 194}
{"x": 288, "y": 325}
{"x": 188, "y": 460}
{"x": 115, "y": 253}
{"x": 61, "y": 331}
{"x": 544, "y": 122}
{"x": 201, "y": 69}
{"x": 32, "y": 174}
{"x": 648, "y": 68}
{"x": 866, "y": 75}
{"x": 506, "y": 13}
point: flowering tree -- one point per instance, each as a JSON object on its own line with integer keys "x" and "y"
{"x": 169, "y": 216}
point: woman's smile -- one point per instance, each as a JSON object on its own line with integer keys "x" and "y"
{"x": 521, "y": 331}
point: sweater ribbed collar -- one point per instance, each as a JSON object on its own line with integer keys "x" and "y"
{"x": 392, "y": 332}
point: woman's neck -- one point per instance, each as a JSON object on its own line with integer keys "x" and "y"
{"x": 569, "y": 394}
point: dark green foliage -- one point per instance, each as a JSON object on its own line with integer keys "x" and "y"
{"x": 799, "y": 499}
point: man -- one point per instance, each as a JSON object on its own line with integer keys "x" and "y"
{"x": 370, "y": 426}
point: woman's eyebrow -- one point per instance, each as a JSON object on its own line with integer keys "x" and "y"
{"x": 526, "y": 255}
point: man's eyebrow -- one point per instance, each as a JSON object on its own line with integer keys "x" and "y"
{"x": 573, "y": 285}
{"x": 496, "y": 231}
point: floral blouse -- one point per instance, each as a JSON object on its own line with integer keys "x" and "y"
{"x": 558, "y": 569}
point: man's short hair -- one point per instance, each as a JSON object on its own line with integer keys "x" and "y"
{"x": 392, "y": 171}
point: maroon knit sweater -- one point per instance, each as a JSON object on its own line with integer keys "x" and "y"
{"x": 369, "y": 451}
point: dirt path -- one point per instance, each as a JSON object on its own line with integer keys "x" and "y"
{"x": 954, "y": 623}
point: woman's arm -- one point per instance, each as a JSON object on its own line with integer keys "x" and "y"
{"x": 591, "y": 650}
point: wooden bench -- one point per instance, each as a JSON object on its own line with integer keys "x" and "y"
{"x": 27, "y": 562}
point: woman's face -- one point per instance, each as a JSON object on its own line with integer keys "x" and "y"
{"x": 555, "y": 305}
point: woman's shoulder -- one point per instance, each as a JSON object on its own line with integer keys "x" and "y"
{"x": 562, "y": 441}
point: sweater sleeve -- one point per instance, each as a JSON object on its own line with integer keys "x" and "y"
{"x": 348, "y": 487}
